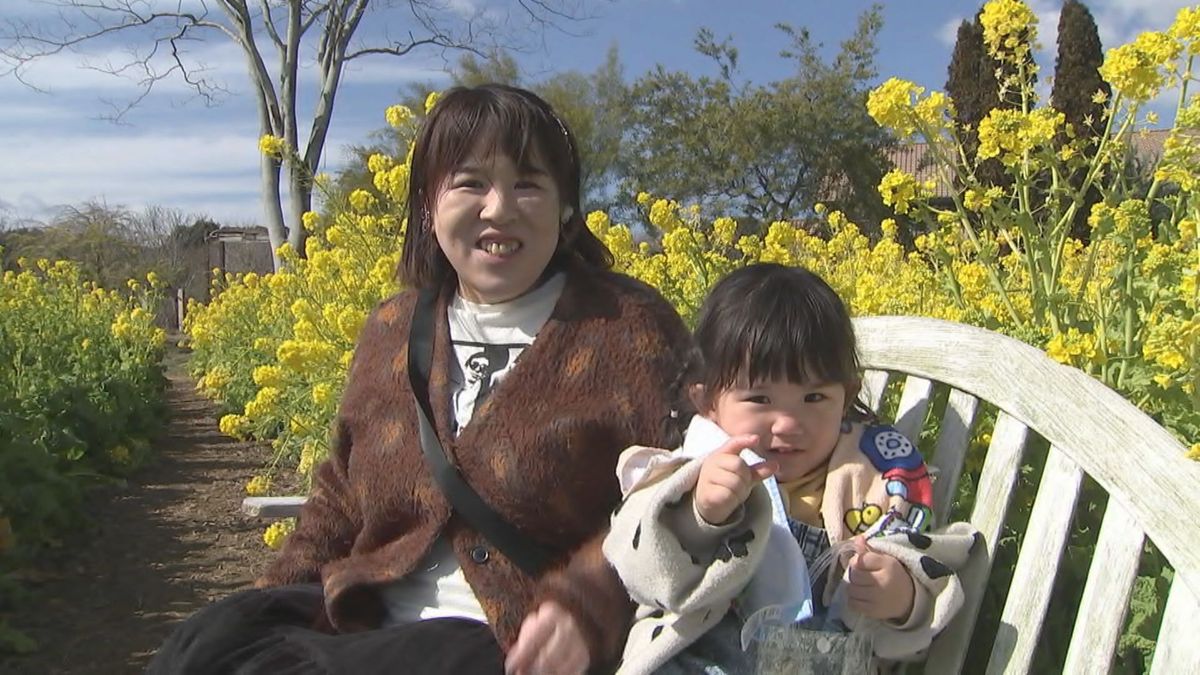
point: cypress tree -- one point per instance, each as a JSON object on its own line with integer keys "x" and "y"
{"x": 971, "y": 82}
{"x": 1076, "y": 81}
{"x": 1076, "y": 70}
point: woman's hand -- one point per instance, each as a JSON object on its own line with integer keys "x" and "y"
{"x": 880, "y": 587}
{"x": 726, "y": 480}
{"x": 550, "y": 643}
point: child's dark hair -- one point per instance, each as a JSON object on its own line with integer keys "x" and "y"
{"x": 771, "y": 322}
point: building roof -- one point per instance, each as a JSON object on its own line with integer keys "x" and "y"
{"x": 911, "y": 158}
{"x": 254, "y": 233}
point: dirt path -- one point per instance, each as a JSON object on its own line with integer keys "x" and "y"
{"x": 164, "y": 545}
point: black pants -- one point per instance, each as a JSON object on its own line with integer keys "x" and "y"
{"x": 269, "y": 631}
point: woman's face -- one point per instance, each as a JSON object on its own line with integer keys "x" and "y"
{"x": 498, "y": 225}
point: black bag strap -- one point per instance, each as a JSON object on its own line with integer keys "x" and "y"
{"x": 527, "y": 555}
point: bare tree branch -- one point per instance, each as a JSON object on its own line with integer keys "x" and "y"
{"x": 159, "y": 34}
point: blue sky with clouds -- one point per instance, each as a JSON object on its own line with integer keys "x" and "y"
{"x": 176, "y": 151}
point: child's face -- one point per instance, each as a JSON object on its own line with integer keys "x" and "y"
{"x": 797, "y": 424}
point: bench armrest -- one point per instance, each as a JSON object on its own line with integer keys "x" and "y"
{"x": 273, "y": 507}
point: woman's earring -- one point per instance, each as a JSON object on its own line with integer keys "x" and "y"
{"x": 567, "y": 212}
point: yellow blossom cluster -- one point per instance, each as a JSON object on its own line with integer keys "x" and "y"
{"x": 898, "y": 105}
{"x": 1010, "y": 134}
{"x": 275, "y": 348}
{"x": 1138, "y": 70}
{"x": 80, "y": 394}
{"x": 277, "y": 533}
{"x": 1009, "y": 28}
{"x": 900, "y": 189}
{"x": 1122, "y": 304}
{"x": 272, "y": 146}
{"x": 259, "y": 485}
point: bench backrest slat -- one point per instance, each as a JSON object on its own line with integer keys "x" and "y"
{"x": 1178, "y": 648}
{"x": 1037, "y": 566}
{"x": 951, "y": 450}
{"x": 1106, "y": 593}
{"x": 873, "y": 386}
{"x": 995, "y": 490}
{"x": 914, "y": 402}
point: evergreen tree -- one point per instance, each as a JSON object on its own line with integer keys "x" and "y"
{"x": 971, "y": 82}
{"x": 971, "y": 78}
{"x": 1076, "y": 81}
{"x": 1076, "y": 70}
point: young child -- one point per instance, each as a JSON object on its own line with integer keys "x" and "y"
{"x": 781, "y": 473}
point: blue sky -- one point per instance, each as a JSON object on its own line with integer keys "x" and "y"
{"x": 175, "y": 151}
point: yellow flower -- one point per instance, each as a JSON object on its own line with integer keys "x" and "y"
{"x": 277, "y": 533}
{"x": 232, "y": 425}
{"x": 724, "y": 230}
{"x": 267, "y": 376}
{"x": 272, "y": 146}
{"x": 644, "y": 198}
{"x": 1010, "y": 134}
{"x": 258, "y": 486}
{"x": 899, "y": 190}
{"x": 1072, "y": 347}
{"x": 1136, "y": 69}
{"x": 362, "y": 201}
{"x": 431, "y": 100}
{"x": 891, "y": 105}
{"x": 398, "y": 116}
{"x": 1186, "y": 28}
{"x": 1187, "y": 230}
{"x": 1009, "y": 27}
{"x": 1193, "y": 453}
{"x": 322, "y": 393}
{"x": 119, "y": 454}
{"x": 664, "y": 214}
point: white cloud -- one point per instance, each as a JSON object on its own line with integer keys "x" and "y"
{"x": 948, "y": 33}
{"x": 179, "y": 171}
{"x": 1120, "y": 21}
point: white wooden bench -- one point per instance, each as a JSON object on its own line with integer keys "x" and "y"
{"x": 1154, "y": 490}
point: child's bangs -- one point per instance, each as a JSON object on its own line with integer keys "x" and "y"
{"x": 786, "y": 342}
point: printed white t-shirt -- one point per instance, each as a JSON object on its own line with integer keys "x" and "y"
{"x": 487, "y": 341}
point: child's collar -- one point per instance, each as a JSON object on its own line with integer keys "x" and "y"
{"x": 702, "y": 437}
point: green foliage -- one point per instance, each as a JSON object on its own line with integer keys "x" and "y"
{"x": 80, "y": 396}
{"x": 590, "y": 103}
{"x": 111, "y": 244}
{"x": 762, "y": 152}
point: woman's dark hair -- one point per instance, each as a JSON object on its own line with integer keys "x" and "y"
{"x": 503, "y": 119}
{"x": 771, "y": 322}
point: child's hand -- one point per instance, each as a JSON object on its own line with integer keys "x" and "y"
{"x": 725, "y": 480}
{"x": 880, "y": 587}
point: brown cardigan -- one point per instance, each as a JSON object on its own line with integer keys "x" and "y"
{"x": 541, "y": 450}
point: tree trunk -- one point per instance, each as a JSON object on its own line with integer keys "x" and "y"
{"x": 299, "y": 201}
{"x": 277, "y": 231}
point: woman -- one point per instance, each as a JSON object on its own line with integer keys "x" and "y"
{"x": 382, "y": 573}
